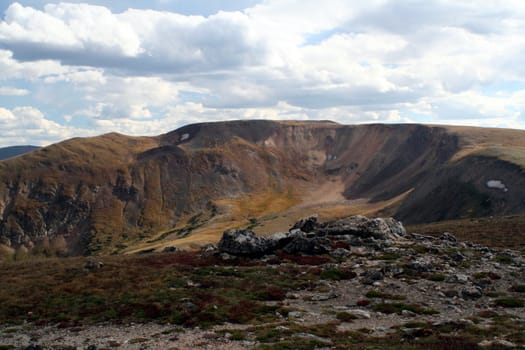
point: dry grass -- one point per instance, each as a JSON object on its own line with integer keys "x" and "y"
{"x": 501, "y": 232}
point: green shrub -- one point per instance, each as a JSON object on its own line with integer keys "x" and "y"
{"x": 510, "y": 302}
{"x": 520, "y": 288}
{"x": 437, "y": 277}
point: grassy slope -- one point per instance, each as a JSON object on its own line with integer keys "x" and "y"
{"x": 501, "y": 232}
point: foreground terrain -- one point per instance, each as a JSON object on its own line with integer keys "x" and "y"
{"x": 350, "y": 284}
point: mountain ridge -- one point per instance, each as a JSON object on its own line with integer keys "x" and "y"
{"x": 14, "y": 151}
{"x": 114, "y": 193}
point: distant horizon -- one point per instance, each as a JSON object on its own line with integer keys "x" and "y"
{"x": 86, "y": 68}
{"x": 247, "y": 120}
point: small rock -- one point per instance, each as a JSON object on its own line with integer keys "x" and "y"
{"x": 457, "y": 256}
{"x": 359, "y": 251}
{"x": 371, "y": 276}
{"x": 313, "y": 337}
{"x": 340, "y": 253}
{"x": 447, "y": 236}
{"x": 408, "y": 313}
{"x": 497, "y": 342}
{"x": 33, "y": 347}
{"x": 392, "y": 270}
{"x": 170, "y": 250}
{"x": 90, "y": 265}
{"x": 324, "y": 297}
{"x": 360, "y": 314}
{"x": 471, "y": 293}
{"x": 457, "y": 278}
{"x": 422, "y": 264}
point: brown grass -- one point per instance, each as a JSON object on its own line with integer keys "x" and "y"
{"x": 501, "y": 232}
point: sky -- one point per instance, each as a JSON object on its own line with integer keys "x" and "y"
{"x": 146, "y": 67}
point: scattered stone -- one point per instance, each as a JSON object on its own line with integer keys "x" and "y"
{"x": 447, "y": 236}
{"x": 324, "y": 297}
{"x": 457, "y": 278}
{"x": 371, "y": 276}
{"x": 313, "y": 337}
{"x": 457, "y": 256}
{"x": 170, "y": 250}
{"x": 359, "y": 314}
{"x": 33, "y": 347}
{"x": 422, "y": 264}
{"x": 392, "y": 270}
{"x": 471, "y": 293}
{"x": 295, "y": 314}
{"x": 340, "y": 253}
{"x": 90, "y": 265}
{"x": 497, "y": 343}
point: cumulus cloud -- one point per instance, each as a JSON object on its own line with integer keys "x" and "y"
{"x": 148, "y": 71}
{"x": 28, "y": 125}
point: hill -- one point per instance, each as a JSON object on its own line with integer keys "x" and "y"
{"x": 13, "y": 151}
{"x": 120, "y": 194}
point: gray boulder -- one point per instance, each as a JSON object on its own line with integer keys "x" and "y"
{"x": 240, "y": 242}
{"x": 378, "y": 228}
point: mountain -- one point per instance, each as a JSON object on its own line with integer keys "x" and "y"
{"x": 13, "y": 151}
{"x": 119, "y": 194}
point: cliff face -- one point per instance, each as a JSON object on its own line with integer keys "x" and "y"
{"x": 111, "y": 192}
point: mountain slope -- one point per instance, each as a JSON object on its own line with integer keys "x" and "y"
{"x": 116, "y": 193}
{"x": 13, "y": 151}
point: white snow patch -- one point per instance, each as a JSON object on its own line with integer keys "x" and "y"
{"x": 185, "y": 137}
{"x": 497, "y": 184}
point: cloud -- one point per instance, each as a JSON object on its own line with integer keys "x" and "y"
{"x": 135, "y": 40}
{"x": 11, "y": 91}
{"x": 149, "y": 71}
{"x": 28, "y": 125}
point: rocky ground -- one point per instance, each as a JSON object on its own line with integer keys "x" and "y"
{"x": 377, "y": 287}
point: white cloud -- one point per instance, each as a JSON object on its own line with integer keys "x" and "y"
{"x": 11, "y": 91}
{"x": 145, "y": 71}
{"x": 28, "y": 125}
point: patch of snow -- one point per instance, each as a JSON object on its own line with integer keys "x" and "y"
{"x": 184, "y": 137}
{"x": 497, "y": 184}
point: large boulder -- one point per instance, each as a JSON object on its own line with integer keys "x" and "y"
{"x": 242, "y": 242}
{"x": 379, "y": 228}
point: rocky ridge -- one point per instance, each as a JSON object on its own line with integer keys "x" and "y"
{"x": 118, "y": 194}
{"x": 376, "y": 280}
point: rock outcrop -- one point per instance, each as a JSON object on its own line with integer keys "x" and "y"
{"x": 318, "y": 238}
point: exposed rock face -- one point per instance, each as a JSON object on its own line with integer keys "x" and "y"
{"x": 318, "y": 240}
{"x": 363, "y": 227}
{"x": 243, "y": 243}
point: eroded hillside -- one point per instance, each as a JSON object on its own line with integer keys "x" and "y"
{"x": 115, "y": 193}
